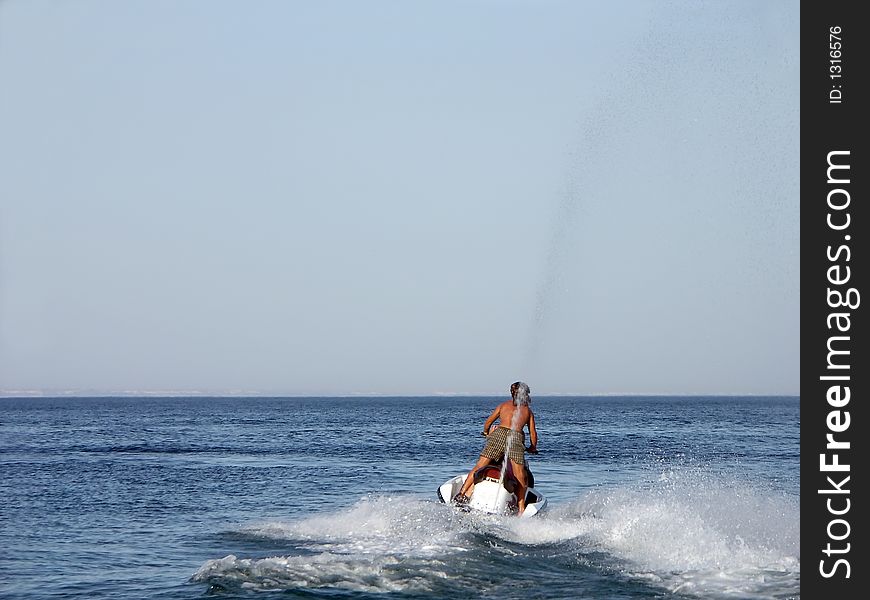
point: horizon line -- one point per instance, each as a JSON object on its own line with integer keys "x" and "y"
{"x": 261, "y": 394}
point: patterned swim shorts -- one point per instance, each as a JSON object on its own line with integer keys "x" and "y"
{"x": 501, "y": 437}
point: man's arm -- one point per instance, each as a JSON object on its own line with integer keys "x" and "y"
{"x": 491, "y": 419}
{"x": 533, "y": 433}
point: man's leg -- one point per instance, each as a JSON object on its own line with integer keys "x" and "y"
{"x": 469, "y": 479}
{"x": 520, "y": 474}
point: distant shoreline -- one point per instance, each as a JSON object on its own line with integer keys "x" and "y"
{"x": 182, "y": 395}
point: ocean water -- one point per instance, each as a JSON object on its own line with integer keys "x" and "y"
{"x": 650, "y": 497}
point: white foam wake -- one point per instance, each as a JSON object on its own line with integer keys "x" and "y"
{"x": 356, "y": 573}
{"x": 370, "y": 547}
{"x": 689, "y": 531}
{"x": 400, "y": 525}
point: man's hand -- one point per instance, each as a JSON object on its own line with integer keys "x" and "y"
{"x": 532, "y": 449}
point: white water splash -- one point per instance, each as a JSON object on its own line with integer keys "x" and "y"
{"x": 365, "y": 548}
{"x": 687, "y": 531}
{"x": 401, "y": 525}
{"x": 361, "y": 574}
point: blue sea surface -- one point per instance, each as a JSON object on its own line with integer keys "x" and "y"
{"x": 650, "y": 497}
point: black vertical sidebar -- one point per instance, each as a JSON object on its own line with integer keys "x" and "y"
{"x": 835, "y": 378}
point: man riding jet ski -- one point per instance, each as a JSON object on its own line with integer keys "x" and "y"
{"x": 498, "y": 483}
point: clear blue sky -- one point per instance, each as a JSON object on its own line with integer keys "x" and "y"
{"x": 399, "y": 197}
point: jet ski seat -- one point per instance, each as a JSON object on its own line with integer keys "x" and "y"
{"x": 493, "y": 471}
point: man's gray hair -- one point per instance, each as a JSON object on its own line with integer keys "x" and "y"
{"x": 521, "y": 394}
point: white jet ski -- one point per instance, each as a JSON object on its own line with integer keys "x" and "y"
{"x": 494, "y": 492}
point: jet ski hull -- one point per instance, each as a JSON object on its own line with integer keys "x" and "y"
{"x": 491, "y": 496}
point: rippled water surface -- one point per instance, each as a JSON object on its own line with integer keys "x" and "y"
{"x": 660, "y": 497}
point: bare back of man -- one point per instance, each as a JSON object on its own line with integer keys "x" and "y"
{"x": 505, "y": 413}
